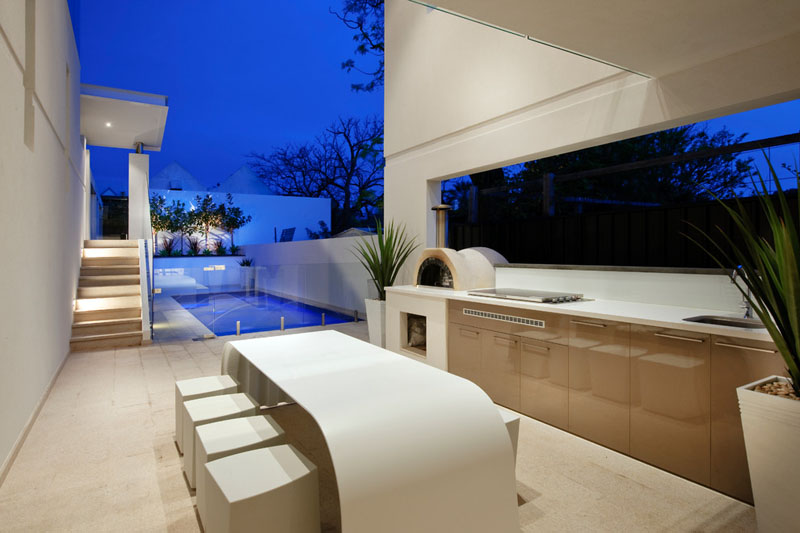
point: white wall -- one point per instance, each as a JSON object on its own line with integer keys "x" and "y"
{"x": 321, "y": 271}
{"x": 138, "y": 198}
{"x": 461, "y": 97}
{"x": 41, "y": 205}
{"x": 270, "y": 214}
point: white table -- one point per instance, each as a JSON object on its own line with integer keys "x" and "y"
{"x": 413, "y": 448}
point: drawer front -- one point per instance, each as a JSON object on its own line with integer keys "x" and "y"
{"x": 500, "y": 364}
{"x": 735, "y": 362}
{"x": 464, "y": 352}
{"x": 544, "y": 377}
{"x": 599, "y": 382}
{"x": 670, "y": 400}
{"x": 556, "y": 327}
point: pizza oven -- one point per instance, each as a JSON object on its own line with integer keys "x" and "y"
{"x": 461, "y": 270}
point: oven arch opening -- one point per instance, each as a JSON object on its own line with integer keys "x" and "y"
{"x": 433, "y": 272}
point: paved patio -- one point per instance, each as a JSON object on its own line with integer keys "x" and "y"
{"x": 101, "y": 457}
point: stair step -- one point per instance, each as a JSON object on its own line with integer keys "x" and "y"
{"x": 106, "y": 314}
{"x": 109, "y": 291}
{"x": 110, "y": 244}
{"x": 109, "y": 270}
{"x": 95, "y": 253}
{"x": 110, "y": 261}
{"x": 104, "y": 280}
{"x": 104, "y": 327}
{"x": 102, "y": 342}
{"x": 110, "y": 302}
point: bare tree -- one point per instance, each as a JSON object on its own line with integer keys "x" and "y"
{"x": 365, "y": 17}
{"x": 344, "y": 163}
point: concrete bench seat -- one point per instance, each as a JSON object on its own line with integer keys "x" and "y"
{"x": 193, "y": 389}
{"x": 268, "y": 489}
{"x": 205, "y": 411}
{"x": 229, "y": 437}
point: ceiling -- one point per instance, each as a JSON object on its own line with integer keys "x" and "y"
{"x": 653, "y": 37}
{"x": 122, "y": 119}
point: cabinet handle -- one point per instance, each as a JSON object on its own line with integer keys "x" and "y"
{"x": 535, "y": 347}
{"x": 678, "y": 337}
{"x": 468, "y": 333}
{"x": 593, "y": 324}
{"x": 740, "y": 347}
{"x": 505, "y": 342}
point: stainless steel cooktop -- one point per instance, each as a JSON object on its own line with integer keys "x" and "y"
{"x": 528, "y": 295}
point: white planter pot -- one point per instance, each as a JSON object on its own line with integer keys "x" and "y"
{"x": 247, "y": 277}
{"x": 771, "y": 427}
{"x": 376, "y": 321}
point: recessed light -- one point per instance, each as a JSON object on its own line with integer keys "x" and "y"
{"x": 108, "y": 124}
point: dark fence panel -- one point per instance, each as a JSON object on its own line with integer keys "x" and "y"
{"x": 654, "y": 236}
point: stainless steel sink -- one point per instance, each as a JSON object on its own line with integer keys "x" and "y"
{"x": 750, "y": 323}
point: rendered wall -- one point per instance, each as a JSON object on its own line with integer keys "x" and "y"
{"x": 320, "y": 271}
{"x": 271, "y": 214}
{"x": 461, "y": 97}
{"x": 138, "y": 206}
{"x": 41, "y": 204}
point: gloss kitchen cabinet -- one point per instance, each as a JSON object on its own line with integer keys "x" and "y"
{"x": 599, "y": 382}
{"x": 464, "y": 351}
{"x": 735, "y": 362}
{"x": 500, "y": 363}
{"x": 518, "y": 356}
{"x": 666, "y": 396}
{"x": 544, "y": 381}
{"x": 670, "y": 421}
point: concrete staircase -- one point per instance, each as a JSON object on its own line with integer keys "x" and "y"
{"x": 108, "y": 308}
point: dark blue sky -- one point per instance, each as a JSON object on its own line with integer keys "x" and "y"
{"x": 241, "y": 76}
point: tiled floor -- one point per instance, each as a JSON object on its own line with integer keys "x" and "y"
{"x": 100, "y": 457}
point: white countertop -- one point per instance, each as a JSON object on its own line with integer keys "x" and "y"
{"x": 663, "y": 316}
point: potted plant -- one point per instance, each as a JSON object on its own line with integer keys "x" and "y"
{"x": 247, "y": 273}
{"x": 770, "y": 409}
{"x": 383, "y": 257}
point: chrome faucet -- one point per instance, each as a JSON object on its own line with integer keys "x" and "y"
{"x": 748, "y": 309}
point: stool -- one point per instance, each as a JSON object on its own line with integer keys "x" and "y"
{"x": 193, "y": 389}
{"x": 511, "y": 420}
{"x": 273, "y": 488}
{"x": 236, "y": 435}
{"x": 208, "y": 410}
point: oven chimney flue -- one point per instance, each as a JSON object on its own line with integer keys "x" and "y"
{"x": 441, "y": 224}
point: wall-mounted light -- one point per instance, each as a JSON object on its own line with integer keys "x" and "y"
{"x": 108, "y": 124}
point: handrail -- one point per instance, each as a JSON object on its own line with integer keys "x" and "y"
{"x": 145, "y": 288}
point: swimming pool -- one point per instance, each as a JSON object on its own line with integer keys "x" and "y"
{"x": 255, "y": 311}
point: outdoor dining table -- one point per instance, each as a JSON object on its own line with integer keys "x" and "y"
{"x": 413, "y": 448}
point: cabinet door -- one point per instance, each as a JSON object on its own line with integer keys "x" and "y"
{"x": 599, "y": 382}
{"x": 735, "y": 362}
{"x": 544, "y": 377}
{"x": 670, "y": 397}
{"x": 464, "y": 352}
{"x": 500, "y": 361}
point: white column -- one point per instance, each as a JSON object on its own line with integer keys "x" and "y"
{"x": 409, "y": 202}
{"x": 138, "y": 200}
{"x": 87, "y": 195}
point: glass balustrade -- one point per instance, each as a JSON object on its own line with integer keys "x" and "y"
{"x": 205, "y": 297}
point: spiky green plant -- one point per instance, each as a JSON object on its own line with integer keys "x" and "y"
{"x": 768, "y": 268}
{"x": 384, "y": 258}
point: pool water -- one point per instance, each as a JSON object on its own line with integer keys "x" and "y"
{"x": 255, "y": 310}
